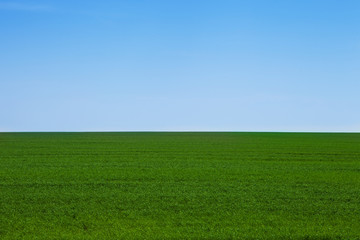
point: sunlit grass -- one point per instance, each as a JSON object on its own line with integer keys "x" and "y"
{"x": 179, "y": 185}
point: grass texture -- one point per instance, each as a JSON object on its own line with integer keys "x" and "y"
{"x": 179, "y": 186}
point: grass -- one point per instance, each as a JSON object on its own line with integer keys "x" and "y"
{"x": 179, "y": 185}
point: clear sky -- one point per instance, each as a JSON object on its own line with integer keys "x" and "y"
{"x": 196, "y": 65}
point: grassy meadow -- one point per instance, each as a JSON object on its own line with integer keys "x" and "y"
{"x": 179, "y": 186}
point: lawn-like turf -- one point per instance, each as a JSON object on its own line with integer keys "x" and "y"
{"x": 179, "y": 185}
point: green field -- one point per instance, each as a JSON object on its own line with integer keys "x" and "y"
{"x": 179, "y": 186}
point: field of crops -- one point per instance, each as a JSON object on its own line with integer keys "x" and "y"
{"x": 179, "y": 185}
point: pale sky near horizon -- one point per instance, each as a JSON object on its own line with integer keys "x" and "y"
{"x": 180, "y": 65}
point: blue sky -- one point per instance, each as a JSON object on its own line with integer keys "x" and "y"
{"x": 180, "y": 65}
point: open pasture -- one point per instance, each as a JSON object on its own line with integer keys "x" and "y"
{"x": 179, "y": 185}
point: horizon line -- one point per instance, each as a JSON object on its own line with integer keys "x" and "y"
{"x": 178, "y": 131}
